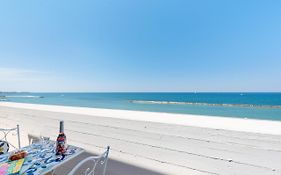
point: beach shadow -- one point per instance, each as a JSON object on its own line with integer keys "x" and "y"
{"x": 114, "y": 167}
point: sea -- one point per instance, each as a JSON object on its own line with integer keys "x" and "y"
{"x": 262, "y": 106}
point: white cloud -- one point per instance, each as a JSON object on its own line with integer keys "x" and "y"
{"x": 14, "y": 74}
{"x": 14, "y": 79}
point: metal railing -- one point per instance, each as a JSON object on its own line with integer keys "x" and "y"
{"x": 95, "y": 160}
{"x": 13, "y": 131}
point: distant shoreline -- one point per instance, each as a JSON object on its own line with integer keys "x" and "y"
{"x": 224, "y": 123}
{"x": 261, "y": 106}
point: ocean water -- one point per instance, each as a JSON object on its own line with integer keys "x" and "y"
{"x": 265, "y": 106}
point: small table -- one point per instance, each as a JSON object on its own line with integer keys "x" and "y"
{"x": 42, "y": 159}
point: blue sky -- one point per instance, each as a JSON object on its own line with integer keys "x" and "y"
{"x": 141, "y": 45}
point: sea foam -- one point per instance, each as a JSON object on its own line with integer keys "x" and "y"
{"x": 204, "y": 104}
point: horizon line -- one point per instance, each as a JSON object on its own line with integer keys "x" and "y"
{"x": 140, "y": 92}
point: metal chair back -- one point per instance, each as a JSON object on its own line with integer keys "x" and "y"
{"x": 95, "y": 160}
{"x": 13, "y": 131}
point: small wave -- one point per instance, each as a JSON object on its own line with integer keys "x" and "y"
{"x": 24, "y": 96}
{"x": 205, "y": 104}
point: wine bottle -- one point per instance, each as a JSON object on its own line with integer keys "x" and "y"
{"x": 61, "y": 141}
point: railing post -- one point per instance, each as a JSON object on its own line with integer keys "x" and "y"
{"x": 105, "y": 163}
{"x": 18, "y": 131}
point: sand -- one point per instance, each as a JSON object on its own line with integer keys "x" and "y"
{"x": 161, "y": 143}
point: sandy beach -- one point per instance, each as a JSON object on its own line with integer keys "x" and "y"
{"x": 174, "y": 144}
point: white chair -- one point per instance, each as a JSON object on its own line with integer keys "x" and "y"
{"x": 95, "y": 160}
{"x": 14, "y": 131}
